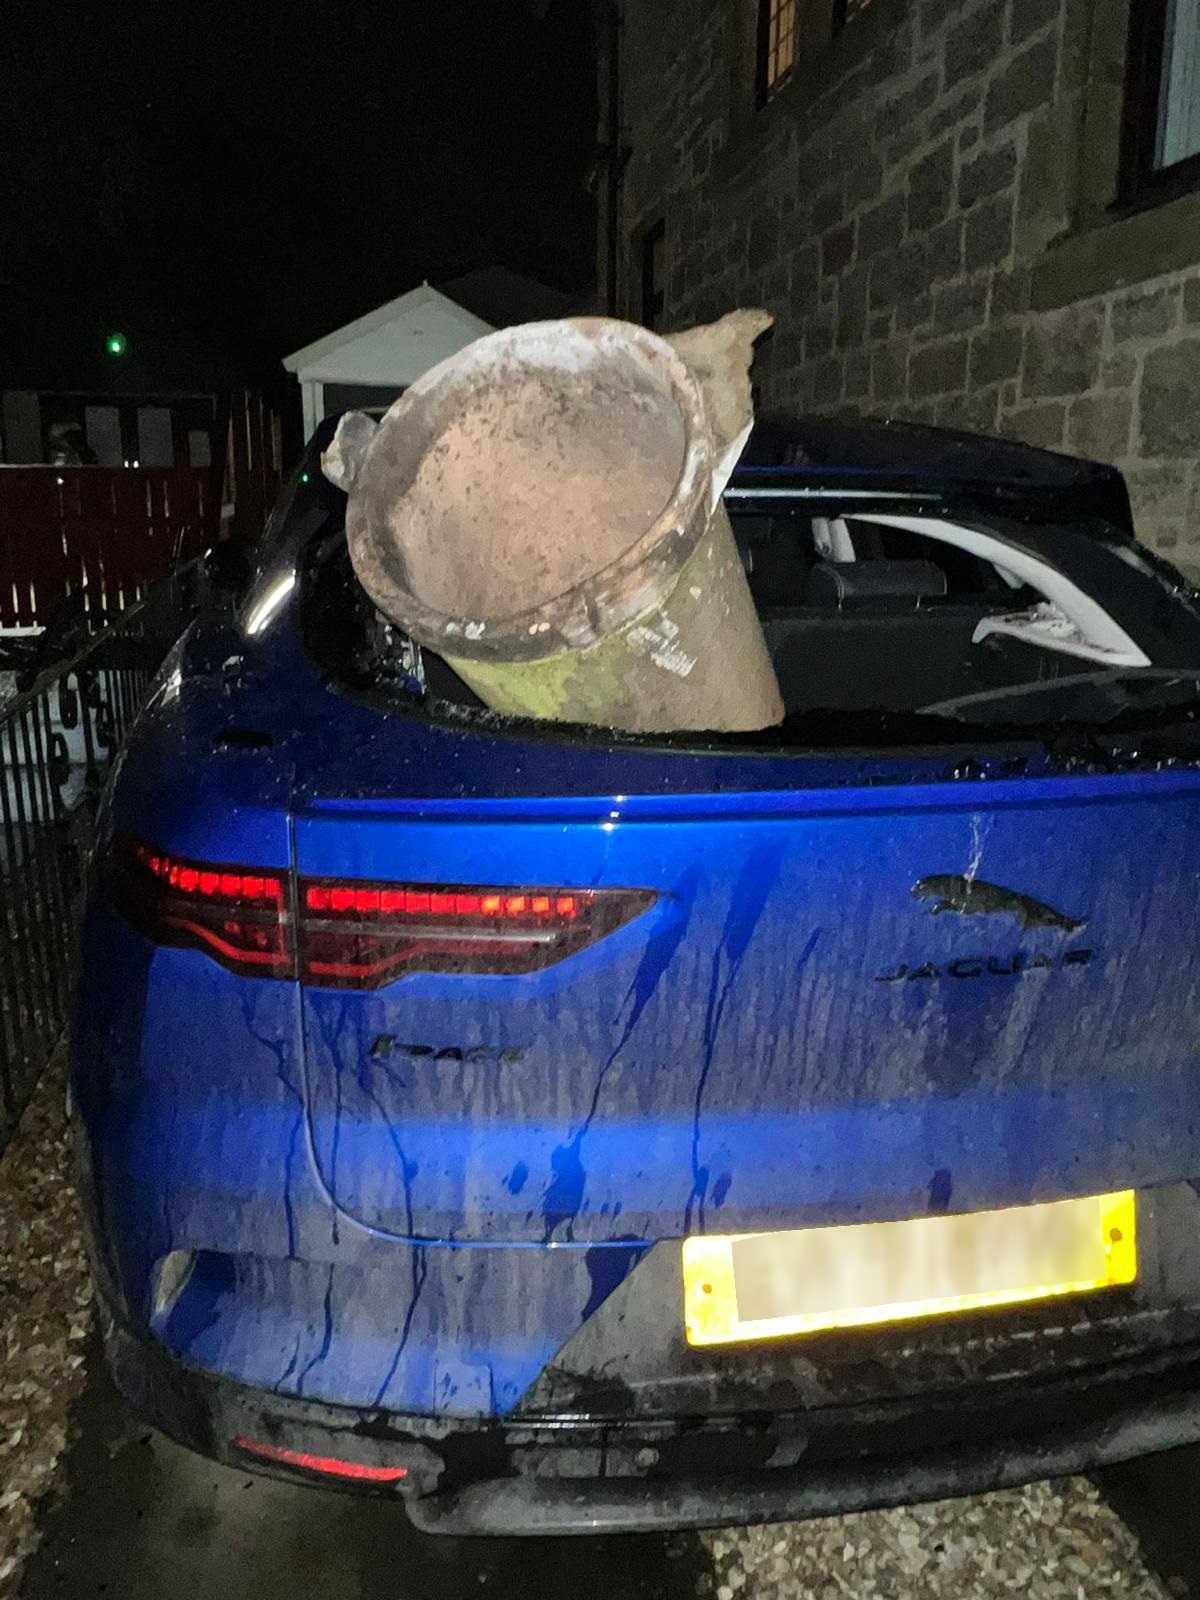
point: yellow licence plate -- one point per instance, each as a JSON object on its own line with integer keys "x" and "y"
{"x": 767, "y": 1285}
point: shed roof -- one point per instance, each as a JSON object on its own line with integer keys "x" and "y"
{"x": 394, "y": 344}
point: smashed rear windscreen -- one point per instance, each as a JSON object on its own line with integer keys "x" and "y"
{"x": 880, "y": 624}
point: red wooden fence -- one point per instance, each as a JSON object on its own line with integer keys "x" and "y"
{"x": 253, "y": 463}
{"x": 108, "y": 531}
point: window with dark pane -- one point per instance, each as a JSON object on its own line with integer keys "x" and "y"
{"x": 776, "y": 45}
{"x": 1161, "y": 152}
{"x": 654, "y": 269}
{"x": 845, "y": 11}
{"x": 1179, "y": 92}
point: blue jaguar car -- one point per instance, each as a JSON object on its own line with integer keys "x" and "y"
{"x": 561, "y": 1130}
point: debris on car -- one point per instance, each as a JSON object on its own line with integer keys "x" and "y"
{"x": 544, "y": 509}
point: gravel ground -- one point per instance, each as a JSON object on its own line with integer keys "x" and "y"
{"x": 44, "y": 1316}
{"x": 1049, "y": 1542}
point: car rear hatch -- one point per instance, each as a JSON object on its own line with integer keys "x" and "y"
{"x": 825, "y": 990}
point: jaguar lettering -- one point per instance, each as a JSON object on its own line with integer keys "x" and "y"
{"x": 1017, "y": 965}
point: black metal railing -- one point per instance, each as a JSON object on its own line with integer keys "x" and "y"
{"x": 58, "y": 740}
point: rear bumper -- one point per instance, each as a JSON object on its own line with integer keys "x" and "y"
{"x": 571, "y": 1474}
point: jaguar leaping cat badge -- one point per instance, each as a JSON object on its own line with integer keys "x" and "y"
{"x": 973, "y": 897}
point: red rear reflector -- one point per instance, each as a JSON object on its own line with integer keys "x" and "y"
{"x": 357, "y": 935}
{"x": 329, "y": 1466}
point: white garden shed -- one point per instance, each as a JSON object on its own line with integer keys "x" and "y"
{"x": 371, "y": 360}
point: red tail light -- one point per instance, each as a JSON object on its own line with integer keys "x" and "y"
{"x": 356, "y": 935}
{"x": 238, "y": 915}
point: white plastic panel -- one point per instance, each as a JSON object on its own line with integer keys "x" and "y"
{"x": 1092, "y": 628}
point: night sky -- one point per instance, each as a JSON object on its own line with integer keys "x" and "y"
{"x": 256, "y": 174}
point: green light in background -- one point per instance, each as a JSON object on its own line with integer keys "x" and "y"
{"x": 304, "y": 477}
{"x": 116, "y": 344}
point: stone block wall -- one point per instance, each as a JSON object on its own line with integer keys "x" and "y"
{"x": 894, "y": 208}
